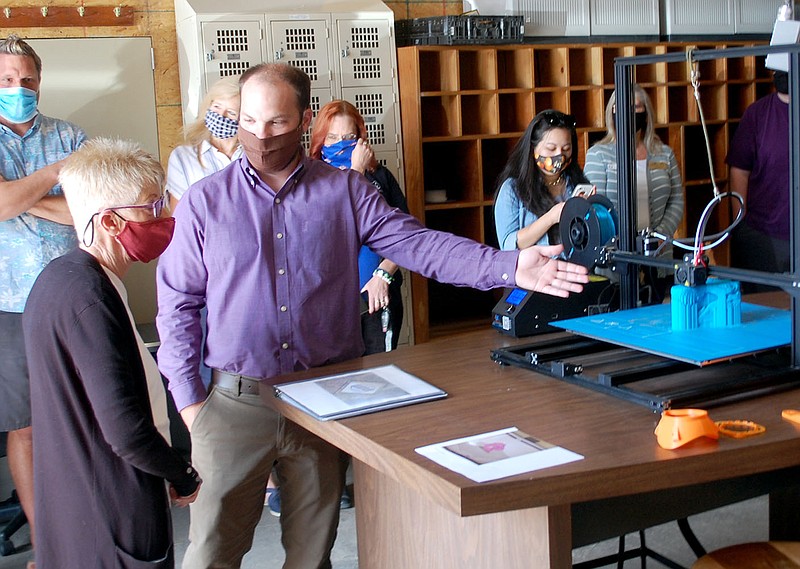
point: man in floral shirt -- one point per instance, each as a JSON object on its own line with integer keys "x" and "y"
{"x": 35, "y": 227}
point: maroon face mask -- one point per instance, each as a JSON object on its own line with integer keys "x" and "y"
{"x": 145, "y": 240}
{"x": 271, "y": 154}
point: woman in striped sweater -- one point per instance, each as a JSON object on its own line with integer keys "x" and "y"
{"x": 659, "y": 197}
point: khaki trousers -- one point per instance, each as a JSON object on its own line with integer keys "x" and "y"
{"x": 236, "y": 439}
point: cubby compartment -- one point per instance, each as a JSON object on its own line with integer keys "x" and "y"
{"x": 587, "y": 107}
{"x": 658, "y": 97}
{"x": 441, "y": 71}
{"x": 550, "y": 67}
{"x": 581, "y": 67}
{"x": 489, "y": 229}
{"x": 698, "y": 194}
{"x": 494, "y": 153}
{"x": 450, "y": 307}
{"x": 543, "y": 100}
{"x": 739, "y": 98}
{"x": 479, "y": 114}
{"x": 678, "y": 71}
{"x": 454, "y": 167}
{"x": 647, "y": 72}
{"x": 680, "y": 104}
{"x": 711, "y": 69}
{"x": 662, "y": 132}
{"x": 762, "y": 71}
{"x": 464, "y": 221}
{"x": 740, "y": 68}
{"x": 453, "y": 308}
{"x": 591, "y": 137}
{"x": 515, "y": 69}
{"x": 714, "y": 99}
{"x": 441, "y": 116}
{"x": 477, "y": 69}
{"x": 695, "y": 156}
{"x": 515, "y": 110}
{"x": 609, "y": 55}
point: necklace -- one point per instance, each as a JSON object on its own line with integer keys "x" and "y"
{"x": 557, "y": 181}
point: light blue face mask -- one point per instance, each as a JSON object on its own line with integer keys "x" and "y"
{"x": 17, "y": 104}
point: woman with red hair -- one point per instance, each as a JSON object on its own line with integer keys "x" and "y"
{"x": 339, "y": 138}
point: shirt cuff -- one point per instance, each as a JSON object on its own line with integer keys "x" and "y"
{"x": 506, "y": 268}
{"x": 188, "y": 393}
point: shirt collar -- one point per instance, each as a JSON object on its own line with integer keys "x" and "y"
{"x": 250, "y": 173}
{"x": 206, "y": 146}
{"x": 37, "y": 121}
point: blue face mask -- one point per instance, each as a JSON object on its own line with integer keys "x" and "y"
{"x": 17, "y": 104}
{"x": 339, "y": 154}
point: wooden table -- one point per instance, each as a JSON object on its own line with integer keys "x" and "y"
{"x": 414, "y": 514}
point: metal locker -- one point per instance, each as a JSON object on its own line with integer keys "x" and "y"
{"x": 230, "y": 48}
{"x": 391, "y": 161}
{"x": 304, "y": 44}
{"x": 364, "y": 52}
{"x": 319, "y": 97}
{"x": 377, "y": 105}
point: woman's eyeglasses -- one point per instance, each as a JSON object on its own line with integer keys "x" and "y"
{"x": 558, "y": 119}
{"x": 155, "y": 207}
{"x": 334, "y": 138}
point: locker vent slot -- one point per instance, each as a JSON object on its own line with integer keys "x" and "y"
{"x": 369, "y": 104}
{"x": 307, "y": 65}
{"x": 231, "y": 41}
{"x": 300, "y": 39}
{"x": 367, "y": 68}
{"x": 365, "y": 38}
{"x": 228, "y": 68}
{"x": 376, "y": 133}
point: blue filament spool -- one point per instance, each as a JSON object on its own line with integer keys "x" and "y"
{"x": 586, "y": 225}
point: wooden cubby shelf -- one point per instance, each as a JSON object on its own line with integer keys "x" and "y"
{"x": 464, "y": 108}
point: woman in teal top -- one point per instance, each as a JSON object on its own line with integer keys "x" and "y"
{"x": 659, "y": 189}
{"x": 539, "y": 176}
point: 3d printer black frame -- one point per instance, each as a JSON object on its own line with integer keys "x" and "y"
{"x": 626, "y": 257}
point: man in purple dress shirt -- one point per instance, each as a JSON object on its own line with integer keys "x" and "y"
{"x": 270, "y": 246}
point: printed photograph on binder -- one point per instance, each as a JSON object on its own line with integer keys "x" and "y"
{"x": 357, "y": 393}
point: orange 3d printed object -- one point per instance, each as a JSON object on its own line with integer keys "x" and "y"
{"x": 680, "y": 426}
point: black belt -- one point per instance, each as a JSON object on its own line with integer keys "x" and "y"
{"x": 237, "y": 383}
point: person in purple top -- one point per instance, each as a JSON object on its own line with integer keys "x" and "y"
{"x": 759, "y": 171}
{"x": 270, "y": 246}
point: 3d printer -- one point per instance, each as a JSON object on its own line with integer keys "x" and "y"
{"x": 619, "y": 353}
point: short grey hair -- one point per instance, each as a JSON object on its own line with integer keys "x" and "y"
{"x": 105, "y": 173}
{"x": 15, "y": 45}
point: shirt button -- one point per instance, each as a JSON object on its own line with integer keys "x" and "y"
{"x": 285, "y": 346}
{"x": 277, "y": 200}
{"x": 281, "y": 272}
{"x": 284, "y": 309}
{"x": 504, "y": 276}
{"x": 279, "y": 236}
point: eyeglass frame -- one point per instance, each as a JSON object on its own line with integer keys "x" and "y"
{"x": 334, "y": 138}
{"x": 156, "y": 207}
